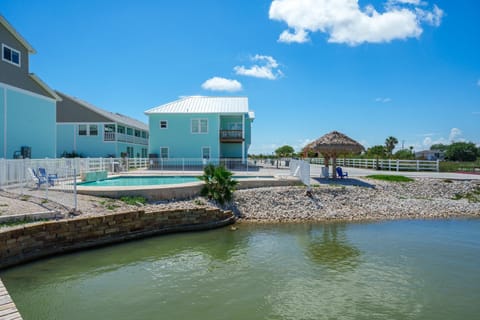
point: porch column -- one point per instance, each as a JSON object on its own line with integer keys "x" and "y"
{"x": 243, "y": 138}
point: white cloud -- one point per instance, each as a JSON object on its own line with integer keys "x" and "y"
{"x": 298, "y": 36}
{"x": 383, "y": 100}
{"x": 266, "y": 67}
{"x": 455, "y": 134}
{"x": 344, "y": 21}
{"x": 222, "y": 84}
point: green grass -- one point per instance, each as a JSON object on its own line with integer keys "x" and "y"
{"x": 473, "y": 196}
{"x": 13, "y": 223}
{"x": 134, "y": 200}
{"x": 451, "y": 166}
{"x": 390, "y": 178}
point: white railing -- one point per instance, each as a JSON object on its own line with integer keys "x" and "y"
{"x": 384, "y": 164}
{"x": 131, "y": 139}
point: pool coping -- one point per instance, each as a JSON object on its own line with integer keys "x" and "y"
{"x": 180, "y": 190}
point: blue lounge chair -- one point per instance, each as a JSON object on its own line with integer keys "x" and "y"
{"x": 50, "y": 178}
{"x": 341, "y": 174}
{"x": 38, "y": 180}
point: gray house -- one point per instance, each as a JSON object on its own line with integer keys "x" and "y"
{"x": 27, "y": 105}
{"x": 89, "y": 131}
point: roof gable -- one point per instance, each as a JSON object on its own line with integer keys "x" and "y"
{"x": 104, "y": 115}
{"x": 17, "y": 35}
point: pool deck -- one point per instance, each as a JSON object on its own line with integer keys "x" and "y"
{"x": 182, "y": 190}
{"x": 8, "y": 310}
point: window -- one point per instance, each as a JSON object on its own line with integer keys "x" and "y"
{"x": 199, "y": 125}
{"x": 93, "y": 130}
{"x": 130, "y": 131}
{"x": 137, "y": 133}
{"x": 144, "y": 135}
{"x": 206, "y": 153}
{"x": 10, "y": 55}
{"x": 121, "y": 129}
{"x": 130, "y": 152}
{"x": 144, "y": 152}
{"x": 163, "y": 124}
{"x": 82, "y": 129}
{"x": 164, "y": 152}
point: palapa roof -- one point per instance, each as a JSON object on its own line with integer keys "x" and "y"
{"x": 335, "y": 143}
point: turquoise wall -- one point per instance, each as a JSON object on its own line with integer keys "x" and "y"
{"x": 178, "y": 137}
{"x": 31, "y": 121}
{"x": 2, "y": 120}
{"x": 91, "y": 146}
{"x": 183, "y": 144}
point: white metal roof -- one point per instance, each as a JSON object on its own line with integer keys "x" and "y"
{"x": 202, "y": 104}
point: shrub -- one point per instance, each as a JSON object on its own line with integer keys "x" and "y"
{"x": 219, "y": 184}
{"x": 391, "y": 178}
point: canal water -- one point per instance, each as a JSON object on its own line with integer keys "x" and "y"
{"x": 385, "y": 270}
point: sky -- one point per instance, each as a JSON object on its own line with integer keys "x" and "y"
{"x": 368, "y": 68}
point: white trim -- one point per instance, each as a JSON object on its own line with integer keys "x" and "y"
{"x": 160, "y": 124}
{"x": 243, "y": 140}
{"x": 12, "y": 50}
{"x": 199, "y": 125}
{"x": 168, "y": 152}
{"x": 45, "y": 87}
{"x": 29, "y": 93}
{"x": 5, "y": 123}
{"x": 16, "y": 35}
{"x": 88, "y": 125}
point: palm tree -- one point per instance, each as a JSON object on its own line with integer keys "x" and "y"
{"x": 390, "y": 143}
{"x": 219, "y": 184}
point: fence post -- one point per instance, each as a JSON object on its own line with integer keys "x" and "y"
{"x": 75, "y": 189}
{"x": 438, "y": 165}
{"x": 418, "y": 165}
{"x": 398, "y": 163}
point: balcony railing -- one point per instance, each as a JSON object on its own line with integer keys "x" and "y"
{"x": 112, "y": 136}
{"x": 231, "y": 135}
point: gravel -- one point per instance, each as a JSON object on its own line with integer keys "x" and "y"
{"x": 371, "y": 200}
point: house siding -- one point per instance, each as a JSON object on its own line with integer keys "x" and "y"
{"x": 182, "y": 143}
{"x": 2, "y": 122}
{"x": 17, "y": 76}
{"x": 70, "y": 111}
{"x": 30, "y": 121}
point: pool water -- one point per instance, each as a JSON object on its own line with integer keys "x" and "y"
{"x": 149, "y": 181}
{"x": 386, "y": 270}
{"x": 140, "y": 181}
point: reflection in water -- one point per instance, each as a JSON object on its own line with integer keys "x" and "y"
{"x": 331, "y": 271}
{"x": 328, "y": 246}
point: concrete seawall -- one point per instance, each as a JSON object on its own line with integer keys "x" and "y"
{"x": 38, "y": 240}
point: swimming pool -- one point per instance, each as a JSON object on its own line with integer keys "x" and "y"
{"x": 128, "y": 181}
{"x": 124, "y": 181}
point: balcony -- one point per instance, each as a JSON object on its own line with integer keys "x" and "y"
{"x": 231, "y": 136}
{"x": 120, "y": 137}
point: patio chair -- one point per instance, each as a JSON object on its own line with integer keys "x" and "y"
{"x": 50, "y": 178}
{"x": 341, "y": 174}
{"x": 38, "y": 180}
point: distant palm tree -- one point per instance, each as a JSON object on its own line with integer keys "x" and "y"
{"x": 390, "y": 143}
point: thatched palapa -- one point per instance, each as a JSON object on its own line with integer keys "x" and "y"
{"x": 335, "y": 144}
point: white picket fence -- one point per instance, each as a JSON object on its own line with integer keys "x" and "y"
{"x": 384, "y": 164}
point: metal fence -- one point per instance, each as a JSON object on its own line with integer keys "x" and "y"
{"x": 384, "y": 164}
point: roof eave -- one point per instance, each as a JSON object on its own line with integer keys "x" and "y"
{"x": 45, "y": 87}
{"x": 17, "y": 35}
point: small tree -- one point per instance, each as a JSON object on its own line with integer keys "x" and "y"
{"x": 284, "y": 151}
{"x": 462, "y": 151}
{"x": 439, "y": 147}
{"x": 219, "y": 184}
{"x": 390, "y": 144}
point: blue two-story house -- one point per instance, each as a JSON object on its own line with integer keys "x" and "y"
{"x": 27, "y": 105}
{"x": 199, "y": 127}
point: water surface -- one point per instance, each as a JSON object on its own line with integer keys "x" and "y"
{"x": 387, "y": 270}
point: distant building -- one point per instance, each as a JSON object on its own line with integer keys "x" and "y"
{"x": 93, "y": 132}
{"x": 27, "y": 105}
{"x": 430, "y": 155}
{"x": 201, "y": 128}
